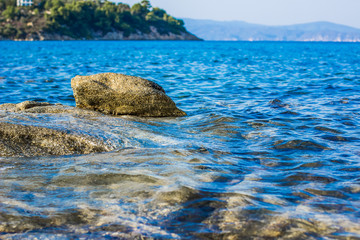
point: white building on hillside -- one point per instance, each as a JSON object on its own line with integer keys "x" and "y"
{"x": 24, "y": 2}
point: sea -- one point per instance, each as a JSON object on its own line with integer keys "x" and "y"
{"x": 269, "y": 149}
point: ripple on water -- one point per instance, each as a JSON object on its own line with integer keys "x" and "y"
{"x": 269, "y": 148}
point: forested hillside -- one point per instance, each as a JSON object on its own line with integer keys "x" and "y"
{"x": 86, "y": 19}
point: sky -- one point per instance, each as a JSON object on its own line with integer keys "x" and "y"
{"x": 268, "y": 12}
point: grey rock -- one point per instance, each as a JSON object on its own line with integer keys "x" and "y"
{"x": 45, "y": 107}
{"x": 113, "y": 35}
{"x": 21, "y": 138}
{"x": 300, "y": 145}
{"x": 11, "y": 107}
{"x": 119, "y": 94}
{"x": 152, "y": 35}
{"x": 24, "y": 140}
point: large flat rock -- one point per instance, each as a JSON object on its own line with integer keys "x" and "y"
{"x": 119, "y": 94}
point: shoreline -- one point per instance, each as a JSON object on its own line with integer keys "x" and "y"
{"x": 170, "y": 40}
{"x": 115, "y": 35}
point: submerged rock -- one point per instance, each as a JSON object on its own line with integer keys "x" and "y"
{"x": 20, "y": 137}
{"x": 120, "y": 94}
{"x": 24, "y": 140}
{"x": 300, "y": 145}
{"x": 11, "y": 107}
{"x": 45, "y": 107}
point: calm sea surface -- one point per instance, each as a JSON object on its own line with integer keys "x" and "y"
{"x": 270, "y": 147}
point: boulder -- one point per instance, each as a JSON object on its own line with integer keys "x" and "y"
{"x": 119, "y": 94}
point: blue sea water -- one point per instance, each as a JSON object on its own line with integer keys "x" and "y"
{"x": 270, "y": 147}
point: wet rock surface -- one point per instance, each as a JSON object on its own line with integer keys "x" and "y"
{"x": 22, "y": 140}
{"x": 119, "y": 94}
{"x": 25, "y": 131}
{"x": 44, "y": 107}
{"x": 300, "y": 145}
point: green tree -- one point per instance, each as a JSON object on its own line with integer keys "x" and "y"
{"x": 139, "y": 10}
{"x": 159, "y": 12}
{"x": 146, "y": 4}
{"x": 5, "y": 3}
{"x": 8, "y": 31}
{"x": 10, "y": 12}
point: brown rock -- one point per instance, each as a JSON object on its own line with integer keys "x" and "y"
{"x": 120, "y": 94}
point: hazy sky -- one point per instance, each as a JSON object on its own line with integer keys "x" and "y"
{"x": 269, "y": 12}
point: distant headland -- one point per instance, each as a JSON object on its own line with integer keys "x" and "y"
{"x": 87, "y": 20}
{"x": 242, "y": 31}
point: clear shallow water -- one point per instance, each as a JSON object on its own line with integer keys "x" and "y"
{"x": 270, "y": 147}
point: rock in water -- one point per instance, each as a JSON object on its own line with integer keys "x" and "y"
{"x": 25, "y": 130}
{"x": 29, "y": 141}
{"x": 119, "y": 94}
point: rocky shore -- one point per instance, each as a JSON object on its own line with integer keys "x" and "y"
{"x": 42, "y": 129}
{"x": 115, "y": 35}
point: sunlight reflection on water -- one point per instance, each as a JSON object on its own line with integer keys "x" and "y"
{"x": 269, "y": 149}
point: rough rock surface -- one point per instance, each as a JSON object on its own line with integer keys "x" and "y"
{"x": 11, "y": 107}
{"x": 153, "y": 35}
{"x": 115, "y": 35}
{"x": 18, "y": 138}
{"x": 120, "y": 94}
{"x": 23, "y": 140}
{"x": 44, "y": 107}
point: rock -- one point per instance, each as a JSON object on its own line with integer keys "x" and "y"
{"x": 152, "y": 35}
{"x": 120, "y": 94}
{"x": 11, "y": 107}
{"x": 45, "y": 107}
{"x": 300, "y": 145}
{"x": 21, "y": 137}
{"x": 29, "y": 141}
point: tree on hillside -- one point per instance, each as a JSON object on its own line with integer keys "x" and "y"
{"x": 139, "y": 10}
{"x": 147, "y": 4}
{"x": 10, "y": 12}
{"x": 83, "y": 19}
{"x": 6, "y": 3}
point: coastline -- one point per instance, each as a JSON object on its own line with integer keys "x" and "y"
{"x": 115, "y": 35}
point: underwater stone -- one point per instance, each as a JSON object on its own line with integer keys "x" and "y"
{"x": 119, "y": 94}
{"x": 20, "y": 139}
{"x": 44, "y": 107}
{"x": 26, "y": 140}
{"x": 300, "y": 145}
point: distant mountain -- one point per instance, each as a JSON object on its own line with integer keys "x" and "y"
{"x": 243, "y": 31}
